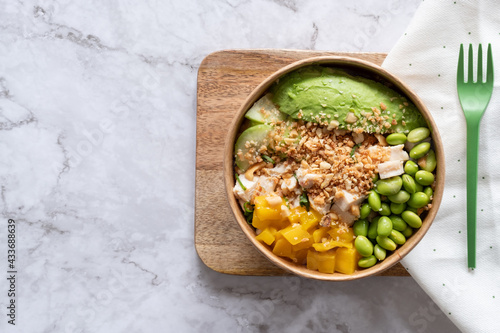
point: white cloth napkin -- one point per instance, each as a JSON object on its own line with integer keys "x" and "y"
{"x": 426, "y": 58}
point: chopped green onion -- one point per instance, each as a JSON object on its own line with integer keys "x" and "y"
{"x": 304, "y": 201}
{"x": 239, "y": 182}
{"x": 353, "y": 151}
{"x": 245, "y": 207}
{"x": 268, "y": 159}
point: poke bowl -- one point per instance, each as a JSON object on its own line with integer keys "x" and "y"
{"x": 334, "y": 168}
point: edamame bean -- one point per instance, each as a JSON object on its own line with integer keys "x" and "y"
{"x": 364, "y": 211}
{"x": 418, "y": 134}
{"x": 411, "y": 209}
{"x": 400, "y": 197}
{"x": 375, "y": 178}
{"x": 408, "y": 183}
{"x": 385, "y": 209}
{"x": 418, "y": 200}
{"x": 367, "y": 262}
{"x": 386, "y": 243}
{"x": 428, "y": 191}
{"x": 412, "y": 219}
{"x": 428, "y": 162}
{"x": 407, "y": 232}
{"x": 411, "y": 168}
{"x": 397, "y": 208}
{"x": 379, "y": 252}
{"x": 374, "y": 201}
{"x": 420, "y": 150}
{"x": 396, "y": 139}
{"x": 372, "y": 229}
{"x": 364, "y": 246}
{"x": 424, "y": 178}
{"x": 398, "y": 223}
{"x": 360, "y": 227}
{"x": 397, "y": 237}
{"x": 384, "y": 226}
{"x": 389, "y": 186}
{"x": 418, "y": 187}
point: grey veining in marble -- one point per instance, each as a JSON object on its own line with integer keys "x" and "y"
{"x": 97, "y": 153}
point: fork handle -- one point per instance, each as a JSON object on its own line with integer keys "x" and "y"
{"x": 472, "y": 159}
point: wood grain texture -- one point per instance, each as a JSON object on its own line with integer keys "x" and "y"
{"x": 225, "y": 79}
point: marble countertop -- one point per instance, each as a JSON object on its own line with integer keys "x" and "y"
{"x": 97, "y": 155}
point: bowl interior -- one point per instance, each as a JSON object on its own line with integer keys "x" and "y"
{"x": 355, "y": 67}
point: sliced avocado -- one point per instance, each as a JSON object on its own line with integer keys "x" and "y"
{"x": 255, "y": 136}
{"x": 322, "y": 95}
{"x": 264, "y": 111}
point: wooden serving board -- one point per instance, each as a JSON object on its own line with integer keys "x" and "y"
{"x": 225, "y": 79}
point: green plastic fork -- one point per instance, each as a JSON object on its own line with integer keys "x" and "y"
{"x": 474, "y": 98}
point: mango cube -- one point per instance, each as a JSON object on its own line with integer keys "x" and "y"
{"x": 321, "y": 261}
{"x": 310, "y": 219}
{"x": 330, "y": 244}
{"x": 320, "y": 233}
{"x": 295, "y": 234}
{"x": 282, "y": 248}
{"x": 295, "y": 214}
{"x": 347, "y": 260}
{"x": 267, "y": 236}
{"x": 342, "y": 234}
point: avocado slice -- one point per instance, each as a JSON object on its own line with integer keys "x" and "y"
{"x": 264, "y": 111}
{"x": 322, "y": 95}
{"x": 255, "y": 136}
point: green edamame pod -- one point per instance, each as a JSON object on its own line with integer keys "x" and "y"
{"x": 407, "y": 232}
{"x": 424, "y": 178}
{"x": 389, "y": 186}
{"x": 409, "y": 183}
{"x": 385, "y": 209}
{"x": 379, "y": 252}
{"x": 364, "y": 211}
{"x": 428, "y": 162}
{"x": 395, "y": 139}
{"x": 428, "y": 191}
{"x": 384, "y": 226}
{"x": 364, "y": 246}
{"x": 372, "y": 229}
{"x": 411, "y": 168}
{"x": 360, "y": 228}
{"x": 418, "y": 134}
{"x": 418, "y": 200}
{"x": 397, "y": 237}
{"x": 397, "y": 208}
{"x": 386, "y": 243}
{"x": 398, "y": 223}
{"x": 400, "y": 197}
{"x": 367, "y": 262}
{"x": 374, "y": 201}
{"x": 420, "y": 150}
{"x": 412, "y": 219}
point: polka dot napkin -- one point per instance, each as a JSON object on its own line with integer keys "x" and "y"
{"x": 426, "y": 58}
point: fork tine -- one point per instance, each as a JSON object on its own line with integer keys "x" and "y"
{"x": 460, "y": 67}
{"x": 489, "y": 66}
{"x": 480, "y": 64}
{"x": 470, "y": 78}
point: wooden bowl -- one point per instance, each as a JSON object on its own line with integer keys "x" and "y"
{"x": 360, "y": 68}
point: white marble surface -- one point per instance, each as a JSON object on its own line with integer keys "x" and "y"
{"x": 97, "y": 153}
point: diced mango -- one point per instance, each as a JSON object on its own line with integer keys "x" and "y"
{"x": 282, "y": 248}
{"x": 303, "y": 245}
{"x": 267, "y": 236}
{"x": 321, "y": 261}
{"x": 347, "y": 260}
{"x": 320, "y": 233}
{"x": 299, "y": 257}
{"x": 257, "y": 223}
{"x": 268, "y": 213}
{"x": 310, "y": 219}
{"x": 295, "y": 214}
{"x": 295, "y": 234}
{"x": 330, "y": 244}
{"x": 342, "y": 234}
